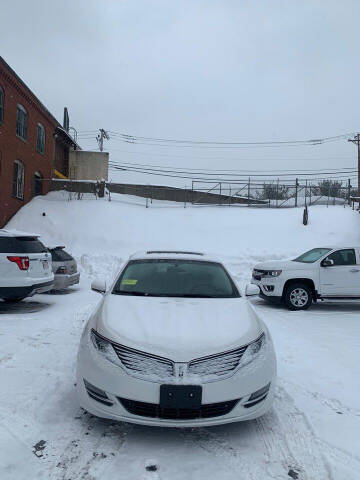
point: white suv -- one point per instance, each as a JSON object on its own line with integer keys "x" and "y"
{"x": 25, "y": 266}
{"x": 320, "y": 273}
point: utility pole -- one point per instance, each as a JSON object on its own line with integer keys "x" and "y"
{"x": 100, "y": 138}
{"x": 356, "y": 141}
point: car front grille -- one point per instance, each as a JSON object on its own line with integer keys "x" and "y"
{"x": 144, "y": 364}
{"x": 154, "y": 410}
{"x": 218, "y": 365}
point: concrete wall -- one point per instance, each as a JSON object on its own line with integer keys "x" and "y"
{"x": 84, "y": 165}
{"x": 154, "y": 192}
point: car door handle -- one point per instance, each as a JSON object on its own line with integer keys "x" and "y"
{"x": 354, "y": 270}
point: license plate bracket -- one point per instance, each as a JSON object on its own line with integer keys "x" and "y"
{"x": 180, "y": 396}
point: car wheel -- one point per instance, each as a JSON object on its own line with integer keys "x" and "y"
{"x": 13, "y": 300}
{"x": 298, "y": 296}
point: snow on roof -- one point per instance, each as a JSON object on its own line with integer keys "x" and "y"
{"x": 174, "y": 254}
{"x": 17, "y": 233}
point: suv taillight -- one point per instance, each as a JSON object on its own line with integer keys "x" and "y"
{"x": 61, "y": 270}
{"x": 21, "y": 262}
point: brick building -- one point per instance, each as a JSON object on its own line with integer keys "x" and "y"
{"x": 33, "y": 145}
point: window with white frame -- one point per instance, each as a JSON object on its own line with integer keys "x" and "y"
{"x": 18, "y": 179}
{"x": 1, "y": 104}
{"x": 21, "y": 122}
{"x": 40, "y": 138}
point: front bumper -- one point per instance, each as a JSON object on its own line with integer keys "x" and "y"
{"x": 64, "y": 281}
{"x": 270, "y": 288}
{"x": 118, "y": 384}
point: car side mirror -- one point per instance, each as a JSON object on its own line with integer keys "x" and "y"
{"x": 251, "y": 290}
{"x": 98, "y": 285}
{"x": 327, "y": 263}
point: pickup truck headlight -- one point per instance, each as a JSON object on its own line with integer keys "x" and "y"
{"x": 274, "y": 273}
{"x": 104, "y": 348}
{"x": 252, "y": 350}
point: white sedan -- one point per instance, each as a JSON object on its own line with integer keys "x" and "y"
{"x": 173, "y": 343}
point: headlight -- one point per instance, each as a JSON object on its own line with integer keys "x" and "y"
{"x": 104, "y": 348}
{"x": 274, "y": 273}
{"x": 252, "y": 351}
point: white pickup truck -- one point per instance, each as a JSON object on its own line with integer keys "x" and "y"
{"x": 320, "y": 273}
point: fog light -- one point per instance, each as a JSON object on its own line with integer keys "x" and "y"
{"x": 97, "y": 394}
{"x": 269, "y": 288}
{"x": 259, "y": 393}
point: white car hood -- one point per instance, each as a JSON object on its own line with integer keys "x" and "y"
{"x": 178, "y": 328}
{"x": 283, "y": 265}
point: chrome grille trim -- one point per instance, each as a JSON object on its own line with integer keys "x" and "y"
{"x": 219, "y": 364}
{"x": 144, "y": 364}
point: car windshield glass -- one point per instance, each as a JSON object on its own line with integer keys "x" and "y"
{"x": 312, "y": 255}
{"x": 175, "y": 278}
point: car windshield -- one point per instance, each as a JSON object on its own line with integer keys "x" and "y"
{"x": 312, "y": 255}
{"x": 175, "y": 278}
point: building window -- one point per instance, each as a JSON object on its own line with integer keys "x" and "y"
{"x": 1, "y": 105}
{"x": 21, "y": 122}
{"x": 18, "y": 180}
{"x": 38, "y": 184}
{"x": 40, "y": 138}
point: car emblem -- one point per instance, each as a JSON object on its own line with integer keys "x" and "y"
{"x": 181, "y": 369}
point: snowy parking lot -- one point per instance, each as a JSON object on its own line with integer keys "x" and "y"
{"x": 311, "y": 432}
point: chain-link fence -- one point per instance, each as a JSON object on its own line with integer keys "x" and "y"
{"x": 268, "y": 194}
{"x": 276, "y": 194}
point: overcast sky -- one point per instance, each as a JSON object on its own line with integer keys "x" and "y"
{"x": 223, "y": 70}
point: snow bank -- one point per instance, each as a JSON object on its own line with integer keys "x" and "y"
{"x": 317, "y": 351}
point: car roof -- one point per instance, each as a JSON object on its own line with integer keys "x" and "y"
{"x": 174, "y": 255}
{"x": 16, "y": 233}
{"x": 338, "y": 247}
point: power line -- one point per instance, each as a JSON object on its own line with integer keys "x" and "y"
{"x": 206, "y": 170}
{"x": 134, "y": 138}
{"x": 217, "y": 147}
{"x": 197, "y": 157}
{"x": 209, "y": 180}
{"x": 170, "y": 142}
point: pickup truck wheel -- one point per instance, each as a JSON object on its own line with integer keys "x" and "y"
{"x": 298, "y": 296}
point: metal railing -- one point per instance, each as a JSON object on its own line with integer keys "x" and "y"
{"x": 266, "y": 194}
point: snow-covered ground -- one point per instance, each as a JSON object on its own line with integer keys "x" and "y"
{"x": 311, "y": 433}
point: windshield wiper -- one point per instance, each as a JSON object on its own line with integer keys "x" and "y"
{"x": 185, "y": 295}
{"x": 139, "y": 294}
{"x": 198, "y": 295}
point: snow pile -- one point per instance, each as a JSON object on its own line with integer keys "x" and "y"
{"x": 312, "y": 432}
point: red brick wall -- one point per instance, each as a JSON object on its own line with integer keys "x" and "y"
{"x": 14, "y": 148}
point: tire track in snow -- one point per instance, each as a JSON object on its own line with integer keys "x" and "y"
{"x": 92, "y": 449}
{"x": 283, "y": 440}
{"x": 290, "y": 442}
{"x": 276, "y": 446}
{"x": 334, "y": 404}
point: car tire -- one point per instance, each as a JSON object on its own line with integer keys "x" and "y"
{"x": 298, "y": 296}
{"x": 13, "y": 300}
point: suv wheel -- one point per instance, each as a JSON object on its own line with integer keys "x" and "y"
{"x": 298, "y": 296}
